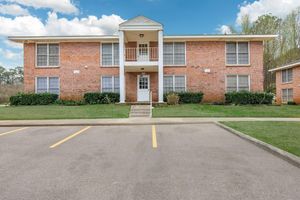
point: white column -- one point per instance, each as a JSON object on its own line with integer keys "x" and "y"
{"x": 160, "y": 67}
{"x": 121, "y": 67}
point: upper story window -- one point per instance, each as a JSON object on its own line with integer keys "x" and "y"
{"x": 174, "y": 53}
{"x": 110, "y": 54}
{"x": 237, "y": 83}
{"x": 287, "y": 75}
{"x": 237, "y": 53}
{"x": 47, "y": 55}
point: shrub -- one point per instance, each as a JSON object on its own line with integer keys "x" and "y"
{"x": 33, "y": 99}
{"x": 187, "y": 97}
{"x": 291, "y": 103}
{"x": 101, "y": 98}
{"x": 243, "y": 98}
{"x": 172, "y": 99}
{"x": 69, "y": 102}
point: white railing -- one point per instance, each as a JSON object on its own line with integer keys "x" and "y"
{"x": 150, "y": 102}
{"x": 141, "y": 54}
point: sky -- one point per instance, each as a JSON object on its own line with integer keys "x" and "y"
{"x": 98, "y": 17}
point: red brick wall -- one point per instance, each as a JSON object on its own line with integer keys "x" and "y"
{"x": 295, "y": 85}
{"x": 200, "y": 55}
{"x": 211, "y": 55}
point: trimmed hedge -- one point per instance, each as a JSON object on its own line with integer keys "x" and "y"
{"x": 187, "y": 97}
{"x": 243, "y": 98}
{"x": 33, "y": 99}
{"x": 101, "y": 98}
{"x": 69, "y": 102}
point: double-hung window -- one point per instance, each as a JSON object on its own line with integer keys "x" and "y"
{"x": 47, "y": 84}
{"x": 174, "y": 83}
{"x": 174, "y": 53}
{"x": 287, "y": 95}
{"x": 47, "y": 55}
{"x": 110, "y": 54}
{"x": 110, "y": 84}
{"x": 236, "y": 83}
{"x": 287, "y": 75}
{"x": 237, "y": 53}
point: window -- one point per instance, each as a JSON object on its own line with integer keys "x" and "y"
{"x": 174, "y": 53}
{"x": 237, "y": 53}
{"x": 287, "y": 75}
{"x": 236, "y": 83}
{"x": 47, "y": 84}
{"x": 174, "y": 84}
{"x": 110, "y": 54}
{"x": 287, "y": 95}
{"x": 47, "y": 55}
{"x": 110, "y": 84}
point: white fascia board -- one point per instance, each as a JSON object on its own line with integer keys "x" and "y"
{"x": 22, "y": 39}
{"x": 220, "y": 37}
{"x": 285, "y": 67}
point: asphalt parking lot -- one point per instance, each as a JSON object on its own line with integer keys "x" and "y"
{"x": 165, "y": 162}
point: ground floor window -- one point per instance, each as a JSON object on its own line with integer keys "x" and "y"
{"x": 174, "y": 83}
{"x": 110, "y": 84}
{"x": 47, "y": 84}
{"x": 236, "y": 83}
{"x": 287, "y": 95}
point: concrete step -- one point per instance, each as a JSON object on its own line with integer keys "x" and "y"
{"x": 140, "y": 111}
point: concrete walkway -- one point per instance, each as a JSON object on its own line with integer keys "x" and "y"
{"x": 132, "y": 121}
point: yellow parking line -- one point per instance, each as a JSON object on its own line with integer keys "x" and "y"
{"x": 13, "y": 131}
{"x": 154, "y": 140}
{"x": 69, "y": 137}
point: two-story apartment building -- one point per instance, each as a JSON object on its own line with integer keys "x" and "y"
{"x": 141, "y": 60}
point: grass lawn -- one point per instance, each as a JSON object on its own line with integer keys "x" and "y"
{"x": 199, "y": 110}
{"x": 284, "y": 135}
{"x": 64, "y": 112}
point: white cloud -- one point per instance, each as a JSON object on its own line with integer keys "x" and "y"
{"x": 278, "y": 8}
{"x": 224, "y": 29}
{"x": 62, "y": 6}
{"x": 8, "y": 54}
{"x": 29, "y": 25}
{"x": 13, "y": 9}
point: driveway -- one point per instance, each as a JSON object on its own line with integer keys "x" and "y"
{"x": 123, "y": 162}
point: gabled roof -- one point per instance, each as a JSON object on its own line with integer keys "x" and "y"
{"x": 140, "y": 22}
{"x": 287, "y": 66}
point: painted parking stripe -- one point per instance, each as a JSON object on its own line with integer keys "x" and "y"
{"x": 154, "y": 139}
{"x": 69, "y": 137}
{"x": 13, "y": 131}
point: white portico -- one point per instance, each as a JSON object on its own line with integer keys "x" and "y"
{"x": 141, "y": 52}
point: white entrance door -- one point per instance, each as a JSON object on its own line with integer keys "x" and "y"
{"x": 143, "y": 52}
{"x": 143, "y": 85}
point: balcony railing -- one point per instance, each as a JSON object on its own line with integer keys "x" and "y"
{"x": 141, "y": 54}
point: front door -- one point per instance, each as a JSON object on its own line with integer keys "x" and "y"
{"x": 143, "y": 85}
{"x": 143, "y": 53}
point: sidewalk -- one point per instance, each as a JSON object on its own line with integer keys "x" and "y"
{"x": 131, "y": 121}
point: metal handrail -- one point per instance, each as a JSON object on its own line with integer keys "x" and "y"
{"x": 150, "y": 102}
{"x": 141, "y": 54}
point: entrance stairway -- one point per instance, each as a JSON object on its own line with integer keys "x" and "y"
{"x": 140, "y": 111}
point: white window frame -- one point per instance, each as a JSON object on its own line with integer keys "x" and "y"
{"x": 173, "y": 77}
{"x": 113, "y": 54}
{"x": 112, "y": 80}
{"x": 287, "y": 95}
{"x": 48, "y": 77}
{"x": 237, "y": 81}
{"x": 47, "y": 66}
{"x": 176, "y": 65}
{"x": 287, "y": 75}
{"x": 237, "y": 53}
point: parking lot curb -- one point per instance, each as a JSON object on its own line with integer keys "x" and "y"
{"x": 292, "y": 159}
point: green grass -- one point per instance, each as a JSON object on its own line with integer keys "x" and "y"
{"x": 64, "y": 112}
{"x": 284, "y": 135}
{"x": 199, "y": 110}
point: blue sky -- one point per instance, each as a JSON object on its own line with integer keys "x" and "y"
{"x": 67, "y": 17}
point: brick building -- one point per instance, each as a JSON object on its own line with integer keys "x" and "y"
{"x": 141, "y": 61}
